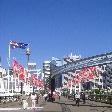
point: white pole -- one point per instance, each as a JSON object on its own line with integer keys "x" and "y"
{"x": 8, "y": 81}
{"x": 8, "y": 69}
{"x": 9, "y": 55}
{"x": 15, "y": 79}
{"x": 12, "y": 84}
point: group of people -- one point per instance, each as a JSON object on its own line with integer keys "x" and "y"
{"x": 79, "y": 96}
{"x": 34, "y": 100}
{"x": 35, "y": 97}
{"x": 52, "y": 97}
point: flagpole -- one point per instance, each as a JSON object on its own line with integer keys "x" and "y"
{"x": 9, "y": 54}
{"x": 8, "y": 68}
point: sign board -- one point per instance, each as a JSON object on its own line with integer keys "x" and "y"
{"x": 86, "y": 62}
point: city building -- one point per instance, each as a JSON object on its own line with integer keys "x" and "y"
{"x": 107, "y": 77}
{"x": 32, "y": 70}
{"x": 3, "y": 81}
{"x": 68, "y": 77}
{"x": 47, "y": 73}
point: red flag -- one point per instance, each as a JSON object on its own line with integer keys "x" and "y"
{"x": 37, "y": 82}
{"x": 40, "y": 83}
{"x": 21, "y": 72}
{"x": 33, "y": 78}
{"x": 15, "y": 67}
{"x": 92, "y": 68}
{"x": 91, "y": 76}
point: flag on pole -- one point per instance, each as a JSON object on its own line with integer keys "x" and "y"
{"x": 14, "y": 44}
{"x": 15, "y": 67}
{"x": 21, "y": 72}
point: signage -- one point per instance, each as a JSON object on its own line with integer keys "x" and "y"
{"x": 86, "y": 62}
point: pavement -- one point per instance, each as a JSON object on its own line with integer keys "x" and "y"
{"x": 89, "y": 106}
{"x": 62, "y": 105}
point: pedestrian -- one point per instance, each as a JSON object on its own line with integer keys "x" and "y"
{"x": 74, "y": 97}
{"x": 77, "y": 96}
{"x": 45, "y": 96}
{"x": 24, "y": 101}
{"x": 83, "y": 98}
{"x": 33, "y": 99}
{"x": 37, "y": 97}
{"x": 59, "y": 95}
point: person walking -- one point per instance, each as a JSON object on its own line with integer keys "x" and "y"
{"x": 45, "y": 96}
{"x": 59, "y": 95}
{"x": 77, "y": 96}
{"x": 24, "y": 101}
{"x": 74, "y": 97}
{"x": 37, "y": 97}
{"x": 33, "y": 99}
{"x": 83, "y": 98}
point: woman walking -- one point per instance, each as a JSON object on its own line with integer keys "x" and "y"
{"x": 77, "y": 96}
{"x": 33, "y": 99}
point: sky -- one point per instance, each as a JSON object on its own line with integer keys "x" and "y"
{"x": 55, "y": 28}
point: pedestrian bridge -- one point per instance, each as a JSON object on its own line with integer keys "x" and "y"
{"x": 101, "y": 59}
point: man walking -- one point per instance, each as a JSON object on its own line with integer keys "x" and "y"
{"x": 24, "y": 101}
{"x": 37, "y": 97}
{"x": 74, "y": 97}
{"x": 33, "y": 99}
{"x": 77, "y": 96}
{"x": 83, "y": 98}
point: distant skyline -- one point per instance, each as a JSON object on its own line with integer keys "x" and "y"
{"x": 55, "y": 28}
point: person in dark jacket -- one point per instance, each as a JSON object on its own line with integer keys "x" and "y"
{"x": 37, "y": 97}
{"x": 83, "y": 98}
{"x": 74, "y": 97}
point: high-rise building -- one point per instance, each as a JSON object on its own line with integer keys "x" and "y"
{"x": 107, "y": 77}
{"x": 3, "y": 81}
{"x": 46, "y": 72}
{"x": 32, "y": 70}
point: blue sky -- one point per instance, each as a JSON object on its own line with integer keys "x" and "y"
{"x": 55, "y": 28}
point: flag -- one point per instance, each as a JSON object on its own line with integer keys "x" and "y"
{"x": 37, "y": 82}
{"x": 15, "y": 66}
{"x": 22, "y": 45}
{"x": 14, "y": 44}
{"x": 33, "y": 79}
{"x": 21, "y": 72}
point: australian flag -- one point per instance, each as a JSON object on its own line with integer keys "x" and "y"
{"x": 14, "y": 44}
